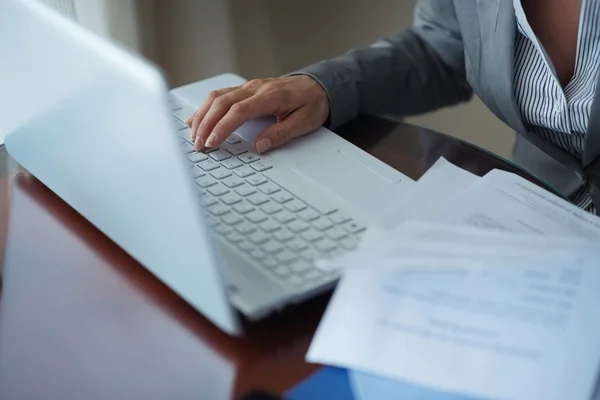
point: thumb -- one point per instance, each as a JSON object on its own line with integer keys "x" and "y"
{"x": 279, "y": 133}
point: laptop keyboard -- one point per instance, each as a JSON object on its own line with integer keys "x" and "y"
{"x": 261, "y": 218}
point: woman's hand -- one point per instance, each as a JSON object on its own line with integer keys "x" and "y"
{"x": 298, "y": 102}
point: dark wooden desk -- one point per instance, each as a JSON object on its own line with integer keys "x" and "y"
{"x": 80, "y": 319}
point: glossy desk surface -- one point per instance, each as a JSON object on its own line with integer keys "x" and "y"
{"x": 80, "y": 319}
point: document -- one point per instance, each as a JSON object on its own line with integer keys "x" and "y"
{"x": 504, "y": 201}
{"x": 517, "y": 328}
{"x": 442, "y": 180}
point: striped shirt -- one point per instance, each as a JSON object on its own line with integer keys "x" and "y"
{"x": 558, "y": 115}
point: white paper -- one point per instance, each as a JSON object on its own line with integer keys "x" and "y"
{"x": 507, "y": 202}
{"x": 522, "y": 329}
{"x": 442, "y": 180}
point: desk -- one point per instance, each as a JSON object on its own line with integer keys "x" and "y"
{"x": 80, "y": 319}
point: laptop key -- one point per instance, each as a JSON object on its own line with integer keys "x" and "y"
{"x": 219, "y": 155}
{"x": 283, "y": 235}
{"x": 235, "y": 150}
{"x": 271, "y": 208}
{"x": 312, "y": 275}
{"x": 322, "y": 224}
{"x": 233, "y": 140}
{"x": 282, "y": 272}
{"x": 269, "y": 188}
{"x": 211, "y": 220}
{"x": 337, "y": 233}
{"x": 220, "y": 173}
{"x": 257, "y": 199}
{"x": 197, "y": 157}
{"x": 282, "y": 197}
{"x": 187, "y": 147}
{"x": 295, "y": 205}
{"x": 180, "y": 125}
{"x": 218, "y": 190}
{"x": 284, "y": 217}
{"x": 243, "y": 207}
{"x": 297, "y": 245}
{"x": 258, "y": 237}
{"x": 256, "y": 216}
{"x": 249, "y": 158}
{"x": 339, "y": 218}
{"x": 232, "y": 163}
{"x": 245, "y": 228}
{"x": 205, "y": 181}
{"x": 286, "y": 257}
{"x": 218, "y": 209}
{"x": 235, "y": 237}
{"x": 256, "y": 180}
{"x": 308, "y": 215}
{"x": 246, "y": 245}
{"x": 222, "y": 229}
{"x": 260, "y": 166}
{"x": 208, "y": 200}
{"x": 244, "y": 171}
{"x": 232, "y": 219}
{"x": 326, "y": 245}
{"x": 310, "y": 254}
{"x": 208, "y": 164}
{"x": 272, "y": 247}
{"x": 197, "y": 172}
{"x": 231, "y": 198}
{"x": 269, "y": 263}
{"x": 257, "y": 254}
{"x": 298, "y": 226}
{"x": 208, "y": 150}
{"x": 245, "y": 190}
{"x": 355, "y": 227}
{"x": 312, "y": 235}
{"x": 300, "y": 266}
{"x": 233, "y": 181}
{"x": 269, "y": 226}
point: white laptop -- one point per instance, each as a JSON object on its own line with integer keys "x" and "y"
{"x": 229, "y": 230}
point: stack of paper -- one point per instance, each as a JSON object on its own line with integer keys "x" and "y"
{"x": 475, "y": 288}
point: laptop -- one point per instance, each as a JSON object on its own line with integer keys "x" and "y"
{"x": 230, "y": 231}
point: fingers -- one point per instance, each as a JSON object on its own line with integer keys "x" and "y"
{"x": 194, "y": 121}
{"x": 275, "y": 135}
{"x": 219, "y": 108}
{"x": 245, "y": 110}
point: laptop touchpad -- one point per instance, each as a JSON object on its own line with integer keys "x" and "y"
{"x": 353, "y": 176}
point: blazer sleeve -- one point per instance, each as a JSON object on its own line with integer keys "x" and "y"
{"x": 416, "y": 71}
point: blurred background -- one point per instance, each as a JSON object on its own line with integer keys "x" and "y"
{"x": 195, "y": 39}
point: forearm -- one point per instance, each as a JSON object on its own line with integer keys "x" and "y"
{"x": 401, "y": 75}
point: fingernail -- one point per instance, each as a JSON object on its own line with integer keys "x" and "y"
{"x": 263, "y": 145}
{"x": 198, "y": 143}
{"x": 210, "y": 141}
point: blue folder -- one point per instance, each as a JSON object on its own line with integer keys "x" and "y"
{"x": 326, "y": 384}
{"x": 340, "y": 384}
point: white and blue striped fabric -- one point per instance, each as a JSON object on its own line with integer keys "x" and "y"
{"x": 558, "y": 115}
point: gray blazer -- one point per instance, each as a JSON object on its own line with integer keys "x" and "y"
{"x": 454, "y": 48}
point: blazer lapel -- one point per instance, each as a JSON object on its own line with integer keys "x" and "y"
{"x": 499, "y": 45}
{"x": 592, "y": 140}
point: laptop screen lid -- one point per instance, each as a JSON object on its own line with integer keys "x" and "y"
{"x": 92, "y": 122}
